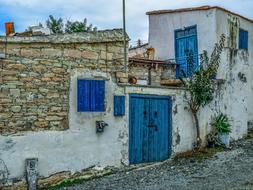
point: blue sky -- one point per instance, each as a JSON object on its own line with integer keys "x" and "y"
{"x": 103, "y": 13}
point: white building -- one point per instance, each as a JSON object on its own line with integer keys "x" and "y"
{"x": 173, "y": 33}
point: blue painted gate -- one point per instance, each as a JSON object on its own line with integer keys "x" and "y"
{"x": 149, "y": 128}
{"x": 186, "y": 48}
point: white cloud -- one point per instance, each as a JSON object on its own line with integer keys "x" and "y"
{"x": 108, "y": 13}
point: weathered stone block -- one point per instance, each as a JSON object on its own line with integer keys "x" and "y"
{"x": 5, "y": 115}
{"x": 59, "y": 70}
{"x": 57, "y": 79}
{"x": 45, "y": 79}
{"x": 53, "y": 95}
{"x": 11, "y": 51}
{"x": 72, "y": 53}
{"x": 10, "y": 78}
{"x": 55, "y": 109}
{"x": 8, "y": 73}
{"x": 30, "y": 52}
{"x": 106, "y": 56}
{"x": 19, "y": 67}
{"x": 121, "y": 75}
{"x": 14, "y": 83}
{"x": 54, "y": 118}
{"x": 15, "y": 92}
{"x": 89, "y": 55}
{"x": 41, "y": 124}
{"x": 49, "y": 74}
{"x": 4, "y": 94}
{"x": 61, "y": 113}
{"x": 123, "y": 80}
{"x": 16, "y": 124}
{"x": 27, "y": 79}
{"x": 39, "y": 68}
{"x": 16, "y": 109}
{"x": 50, "y": 52}
{"x": 46, "y": 62}
{"x": 114, "y": 49}
{"x": 5, "y": 100}
{"x": 43, "y": 90}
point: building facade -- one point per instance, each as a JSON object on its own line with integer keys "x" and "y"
{"x": 67, "y": 101}
{"x": 175, "y": 33}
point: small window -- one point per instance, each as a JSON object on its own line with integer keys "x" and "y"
{"x": 90, "y": 95}
{"x": 243, "y": 39}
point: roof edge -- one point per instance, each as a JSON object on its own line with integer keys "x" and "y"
{"x": 200, "y": 8}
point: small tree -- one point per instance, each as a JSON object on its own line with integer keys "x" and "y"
{"x": 76, "y": 26}
{"x": 55, "y": 25}
{"x": 200, "y": 87}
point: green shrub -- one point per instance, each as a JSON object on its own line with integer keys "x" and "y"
{"x": 221, "y": 123}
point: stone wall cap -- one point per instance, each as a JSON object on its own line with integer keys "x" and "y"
{"x": 113, "y": 35}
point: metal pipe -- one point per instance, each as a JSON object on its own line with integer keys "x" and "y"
{"x": 124, "y": 30}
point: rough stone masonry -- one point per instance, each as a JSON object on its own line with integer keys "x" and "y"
{"x": 35, "y": 76}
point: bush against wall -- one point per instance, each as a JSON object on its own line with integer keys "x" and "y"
{"x": 201, "y": 86}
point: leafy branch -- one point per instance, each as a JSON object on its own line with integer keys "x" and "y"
{"x": 57, "y": 26}
{"x": 200, "y": 86}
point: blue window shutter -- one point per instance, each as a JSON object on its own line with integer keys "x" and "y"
{"x": 83, "y": 95}
{"x": 98, "y": 95}
{"x": 246, "y": 39}
{"x": 185, "y": 43}
{"x": 119, "y": 105}
{"x": 243, "y": 39}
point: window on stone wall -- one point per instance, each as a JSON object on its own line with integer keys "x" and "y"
{"x": 243, "y": 39}
{"x": 90, "y": 95}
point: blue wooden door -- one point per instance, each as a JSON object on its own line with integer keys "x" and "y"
{"x": 150, "y": 128}
{"x": 186, "y": 50}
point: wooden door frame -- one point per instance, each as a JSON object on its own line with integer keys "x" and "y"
{"x": 148, "y": 96}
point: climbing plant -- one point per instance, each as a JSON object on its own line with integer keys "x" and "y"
{"x": 200, "y": 86}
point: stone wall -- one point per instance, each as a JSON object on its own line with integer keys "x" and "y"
{"x": 35, "y": 75}
{"x": 157, "y": 74}
{"x": 142, "y": 74}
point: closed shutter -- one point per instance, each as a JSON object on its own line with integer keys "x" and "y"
{"x": 119, "y": 105}
{"x": 98, "y": 95}
{"x": 90, "y": 95}
{"x": 83, "y": 95}
{"x": 243, "y": 39}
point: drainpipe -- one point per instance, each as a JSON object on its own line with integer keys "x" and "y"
{"x": 124, "y": 30}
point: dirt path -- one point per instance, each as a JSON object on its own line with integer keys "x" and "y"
{"x": 230, "y": 169}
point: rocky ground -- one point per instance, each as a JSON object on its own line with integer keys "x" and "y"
{"x": 227, "y": 169}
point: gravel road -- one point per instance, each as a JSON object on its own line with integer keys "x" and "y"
{"x": 229, "y": 169}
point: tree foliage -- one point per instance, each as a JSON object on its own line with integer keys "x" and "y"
{"x": 76, "y": 26}
{"x": 55, "y": 25}
{"x": 200, "y": 86}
